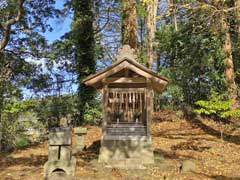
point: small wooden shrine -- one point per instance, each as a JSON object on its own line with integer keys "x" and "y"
{"x": 127, "y": 88}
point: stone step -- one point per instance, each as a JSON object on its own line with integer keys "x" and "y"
{"x": 127, "y": 134}
{"x": 129, "y": 163}
{"x": 127, "y": 131}
{"x": 119, "y": 131}
{"x": 127, "y": 128}
{"x": 124, "y": 130}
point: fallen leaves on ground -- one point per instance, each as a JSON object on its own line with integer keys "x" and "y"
{"x": 174, "y": 141}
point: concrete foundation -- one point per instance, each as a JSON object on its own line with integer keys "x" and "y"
{"x": 126, "y": 151}
{"x": 68, "y": 167}
{"x": 80, "y": 133}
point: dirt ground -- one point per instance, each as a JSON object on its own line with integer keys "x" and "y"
{"x": 176, "y": 142}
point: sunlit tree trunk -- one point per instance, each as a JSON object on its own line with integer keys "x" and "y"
{"x": 229, "y": 64}
{"x": 237, "y": 6}
{"x": 129, "y": 23}
{"x": 235, "y": 35}
{"x": 152, "y": 7}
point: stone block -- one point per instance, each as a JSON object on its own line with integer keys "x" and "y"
{"x": 53, "y": 153}
{"x": 128, "y": 151}
{"x": 60, "y": 136}
{"x": 188, "y": 166}
{"x": 79, "y": 144}
{"x": 59, "y": 175}
{"x": 80, "y": 130}
{"x": 68, "y": 167}
{"x": 65, "y": 153}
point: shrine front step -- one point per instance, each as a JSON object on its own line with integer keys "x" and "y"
{"x": 126, "y": 153}
{"x": 127, "y": 131}
{"x": 129, "y": 163}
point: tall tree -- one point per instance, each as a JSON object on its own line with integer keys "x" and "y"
{"x": 199, "y": 55}
{"x": 237, "y": 12}
{"x": 223, "y": 9}
{"x": 21, "y": 22}
{"x": 235, "y": 35}
{"x": 21, "y": 25}
{"x": 83, "y": 39}
{"x": 129, "y": 23}
{"x": 229, "y": 63}
{"x": 6, "y": 27}
{"x": 152, "y": 7}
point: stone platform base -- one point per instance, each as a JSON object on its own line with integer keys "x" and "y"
{"x": 126, "y": 151}
{"x": 67, "y": 167}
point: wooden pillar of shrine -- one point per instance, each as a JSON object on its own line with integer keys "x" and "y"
{"x": 105, "y": 109}
{"x": 149, "y": 106}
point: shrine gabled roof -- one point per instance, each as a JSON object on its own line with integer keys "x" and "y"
{"x": 157, "y": 82}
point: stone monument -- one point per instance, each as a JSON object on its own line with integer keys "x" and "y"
{"x": 60, "y": 159}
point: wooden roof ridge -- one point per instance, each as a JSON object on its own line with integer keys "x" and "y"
{"x": 133, "y": 62}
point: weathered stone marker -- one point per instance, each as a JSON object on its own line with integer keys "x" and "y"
{"x": 80, "y": 132}
{"x": 60, "y": 159}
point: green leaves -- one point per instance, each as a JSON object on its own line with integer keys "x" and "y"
{"x": 93, "y": 116}
{"x": 17, "y": 107}
{"x": 214, "y": 105}
{"x": 217, "y": 106}
{"x": 193, "y": 54}
{"x": 141, "y": 11}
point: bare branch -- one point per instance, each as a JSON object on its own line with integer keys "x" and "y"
{"x": 9, "y": 23}
{"x": 103, "y": 27}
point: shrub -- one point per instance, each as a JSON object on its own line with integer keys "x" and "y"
{"x": 93, "y": 116}
{"x": 17, "y": 117}
{"x": 21, "y": 142}
{"x": 218, "y": 107}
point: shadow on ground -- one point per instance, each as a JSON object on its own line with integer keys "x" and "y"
{"x": 90, "y": 153}
{"x": 196, "y": 122}
{"x": 170, "y": 155}
{"x": 33, "y": 160}
{"x": 218, "y": 177}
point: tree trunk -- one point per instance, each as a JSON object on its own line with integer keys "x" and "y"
{"x": 235, "y": 35}
{"x": 229, "y": 65}
{"x": 174, "y": 15}
{"x": 142, "y": 30}
{"x": 237, "y": 6}
{"x": 1, "y": 108}
{"x": 5, "y": 74}
{"x": 151, "y": 29}
{"x": 84, "y": 42}
{"x": 158, "y": 62}
{"x": 129, "y": 23}
{"x": 5, "y": 70}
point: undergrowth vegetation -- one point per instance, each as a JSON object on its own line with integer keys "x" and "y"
{"x": 218, "y": 106}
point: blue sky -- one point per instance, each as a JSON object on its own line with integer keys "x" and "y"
{"x": 60, "y": 26}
